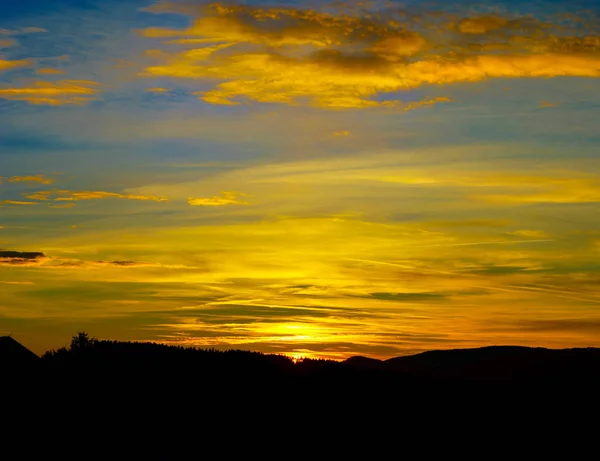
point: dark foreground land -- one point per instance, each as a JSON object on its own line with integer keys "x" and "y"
{"x": 129, "y": 385}
{"x": 112, "y": 365}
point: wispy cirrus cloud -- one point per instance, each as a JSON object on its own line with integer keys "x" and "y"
{"x": 51, "y": 93}
{"x": 6, "y": 65}
{"x": 73, "y": 196}
{"x": 23, "y": 30}
{"x": 226, "y": 198}
{"x": 38, "y": 178}
{"x": 42, "y": 260}
{"x": 17, "y": 203}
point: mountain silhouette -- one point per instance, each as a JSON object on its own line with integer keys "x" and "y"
{"x": 493, "y": 363}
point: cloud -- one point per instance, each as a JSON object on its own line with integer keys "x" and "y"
{"x": 32, "y": 30}
{"x": 481, "y": 24}
{"x": 157, "y": 90}
{"x": 21, "y": 258}
{"x": 300, "y": 56}
{"x": 52, "y": 93}
{"x": 259, "y": 25}
{"x": 67, "y": 195}
{"x": 23, "y": 30}
{"x": 43, "y": 261}
{"x": 226, "y": 198}
{"x": 40, "y": 178}
{"x": 16, "y": 202}
{"x": 341, "y": 133}
{"x": 83, "y": 264}
{"x": 9, "y": 65}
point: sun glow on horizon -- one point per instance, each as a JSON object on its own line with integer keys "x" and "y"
{"x": 317, "y": 180}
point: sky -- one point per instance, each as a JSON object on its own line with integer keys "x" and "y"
{"x": 317, "y": 179}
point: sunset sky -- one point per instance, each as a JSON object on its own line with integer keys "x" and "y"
{"x": 319, "y": 179}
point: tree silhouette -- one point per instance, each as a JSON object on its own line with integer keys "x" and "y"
{"x": 82, "y": 341}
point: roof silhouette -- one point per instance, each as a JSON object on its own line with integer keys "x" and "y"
{"x": 14, "y": 354}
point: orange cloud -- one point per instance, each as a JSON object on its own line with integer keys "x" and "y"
{"x": 66, "y": 195}
{"x": 268, "y": 26}
{"x": 481, "y": 24}
{"x": 42, "y": 179}
{"x": 396, "y": 47}
{"x": 341, "y": 133}
{"x": 303, "y": 57}
{"x": 226, "y": 198}
{"x": 157, "y": 90}
{"x": 53, "y": 93}
{"x": 8, "y": 65}
{"x": 15, "y": 202}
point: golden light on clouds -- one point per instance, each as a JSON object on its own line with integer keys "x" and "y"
{"x": 328, "y": 180}
{"x": 266, "y": 59}
{"x": 67, "y": 195}
{"x": 16, "y": 202}
{"x": 226, "y": 198}
{"x": 157, "y": 90}
{"x": 39, "y": 178}
{"x": 52, "y": 93}
{"x": 8, "y": 65}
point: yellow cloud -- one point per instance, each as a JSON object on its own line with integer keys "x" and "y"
{"x": 481, "y": 24}
{"x": 157, "y": 90}
{"x": 66, "y": 195}
{"x": 42, "y": 179}
{"x": 396, "y": 47}
{"x": 341, "y": 133}
{"x": 304, "y": 57}
{"x": 8, "y": 65}
{"x": 50, "y": 71}
{"x": 226, "y": 198}
{"x": 268, "y": 26}
{"x": 15, "y": 202}
{"x": 52, "y": 93}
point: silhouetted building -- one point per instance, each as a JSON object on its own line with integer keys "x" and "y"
{"x": 14, "y": 355}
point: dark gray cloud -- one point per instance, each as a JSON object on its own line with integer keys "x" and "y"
{"x": 21, "y": 257}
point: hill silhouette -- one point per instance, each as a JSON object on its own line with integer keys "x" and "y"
{"x": 101, "y": 380}
{"x": 89, "y": 368}
{"x": 495, "y": 363}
